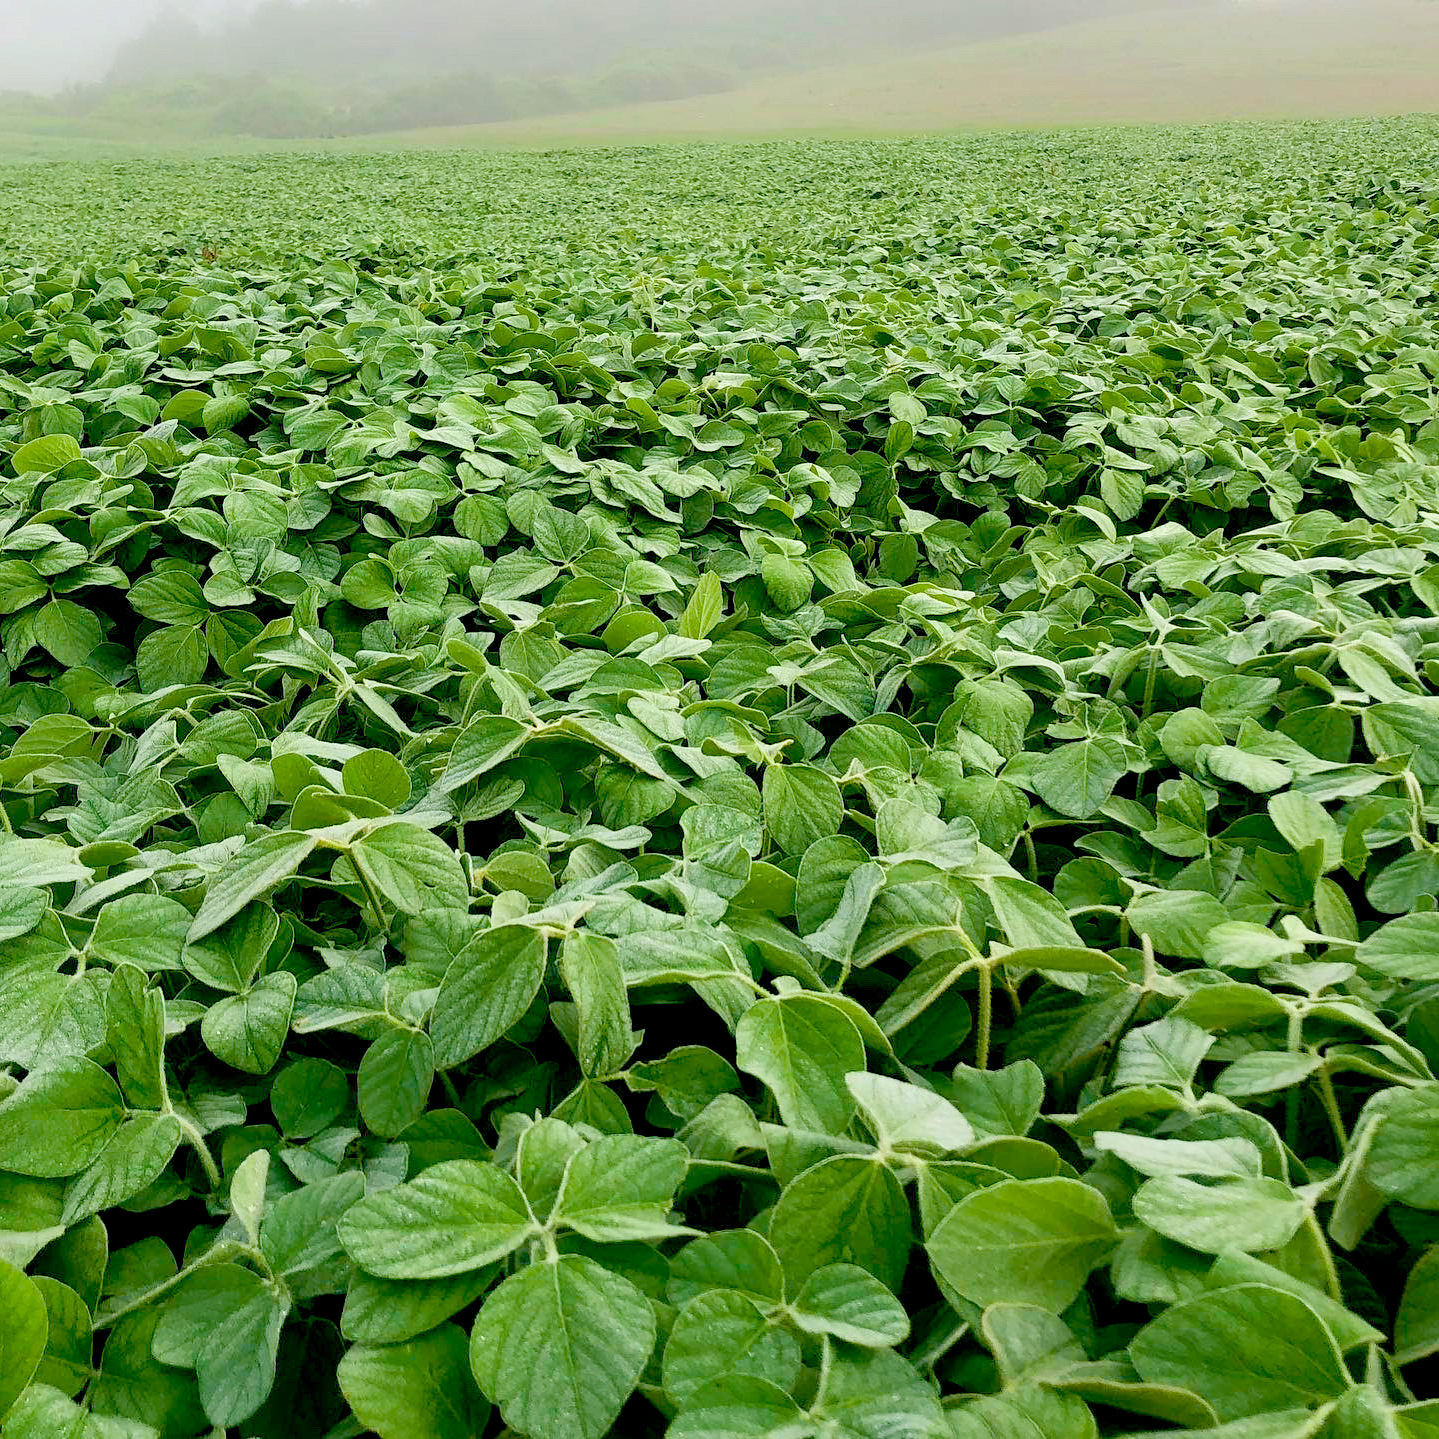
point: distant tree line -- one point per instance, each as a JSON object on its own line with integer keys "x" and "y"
{"x": 288, "y": 70}
{"x": 337, "y": 38}
{"x": 283, "y": 107}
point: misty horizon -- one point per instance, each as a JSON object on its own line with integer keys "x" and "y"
{"x": 45, "y": 50}
{"x": 293, "y": 70}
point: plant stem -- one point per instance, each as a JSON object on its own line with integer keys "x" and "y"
{"x": 1294, "y": 1044}
{"x": 986, "y": 1014}
{"x": 197, "y": 1143}
{"x": 1330, "y": 1101}
{"x": 371, "y": 898}
{"x": 1149, "y": 682}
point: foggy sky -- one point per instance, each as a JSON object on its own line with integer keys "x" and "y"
{"x": 48, "y": 44}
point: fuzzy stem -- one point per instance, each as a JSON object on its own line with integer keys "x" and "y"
{"x": 371, "y": 898}
{"x": 986, "y": 1014}
{"x": 1294, "y": 1044}
{"x": 1031, "y": 856}
{"x": 1149, "y": 681}
{"x": 207, "y": 1160}
{"x": 1330, "y": 1102}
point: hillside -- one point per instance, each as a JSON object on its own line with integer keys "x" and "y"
{"x": 324, "y": 41}
{"x": 1129, "y": 61}
{"x": 1220, "y": 60}
{"x": 315, "y": 69}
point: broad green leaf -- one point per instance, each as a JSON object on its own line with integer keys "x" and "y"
{"x": 134, "y": 1387}
{"x": 29, "y": 862}
{"x": 21, "y": 909}
{"x": 845, "y": 1209}
{"x": 135, "y": 1033}
{"x": 411, "y": 868}
{"x": 49, "y": 1017}
{"x": 1177, "y": 921}
{"x": 686, "y": 1079}
{"x": 1166, "y": 1053}
{"x": 255, "y": 871}
{"x": 723, "y": 1334}
{"x": 247, "y": 1031}
{"x": 135, "y": 1157}
{"x": 391, "y": 1311}
{"x": 229, "y": 957}
{"x": 739, "y": 1408}
{"x": 204, "y": 1299}
{"x": 394, "y": 1081}
{"x": 43, "y": 1412}
{"x": 299, "y": 1231}
{"x": 235, "y": 1363}
{"x": 789, "y": 583}
{"x": 307, "y": 1095}
{"x": 1115, "y": 1384}
{"x": 802, "y": 1048}
{"x": 144, "y": 930}
{"x": 378, "y": 776}
{"x": 560, "y": 1346}
{"x": 247, "y": 1192}
{"x": 737, "y": 1259}
{"x": 454, "y": 1217}
{"x": 999, "y": 1101}
{"x": 874, "y": 1393}
{"x": 23, "y": 1335}
{"x": 1028, "y": 1343}
{"x": 1398, "y": 1160}
{"x": 1349, "y": 1331}
{"x": 1404, "y": 948}
{"x": 849, "y": 1303}
{"x": 420, "y": 1389}
{"x": 489, "y": 741}
{"x": 1303, "y": 821}
{"x": 1240, "y": 1214}
{"x": 1251, "y": 771}
{"x": 1075, "y": 779}
{"x": 590, "y": 967}
{"x": 45, "y": 455}
{"x": 59, "y": 1119}
{"x": 621, "y": 1187}
{"x": 68, "y": 631}
{"x": 1416, "y": 1325}
{"x": 70, "y": 1340}
{"x": 802, "y": 804}
{"x": 1028, "y": 1411}
{"x": 1030, "y": 918}
{"x": 1029, "y": 1241}
{"x": 704, "y": 608}
{"x": 1246, "y": 1350}
{"x": 486, "y": 990}
{"x": 1231, "y": 1158}
{"x": 907, "y": 1118}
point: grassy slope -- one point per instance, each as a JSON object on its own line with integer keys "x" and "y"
{"x": 1228, "y": 60}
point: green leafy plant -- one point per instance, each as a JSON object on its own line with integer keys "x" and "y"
{"x": 665, "y": 833}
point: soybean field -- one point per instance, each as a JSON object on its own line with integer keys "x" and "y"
{"x": 775, "y": 791}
